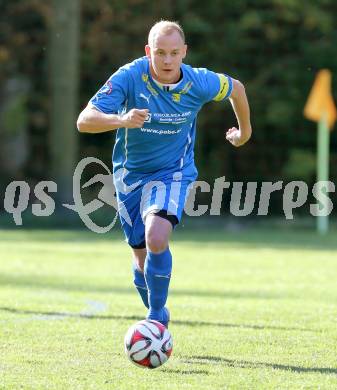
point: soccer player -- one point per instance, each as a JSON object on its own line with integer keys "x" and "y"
{"x": 153, "y": 102}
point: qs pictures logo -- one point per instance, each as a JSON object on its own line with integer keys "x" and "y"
{"x": 18, "y": 195}
{"x": 107, "y": 195}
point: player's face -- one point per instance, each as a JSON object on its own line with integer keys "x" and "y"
{"x": 166, "y": 54}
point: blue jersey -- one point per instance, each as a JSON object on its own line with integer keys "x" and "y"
{"x": 166, "y": 140}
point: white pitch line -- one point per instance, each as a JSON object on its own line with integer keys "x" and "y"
{"x": 91, "y": 308}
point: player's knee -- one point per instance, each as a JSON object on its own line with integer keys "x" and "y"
{"x": 156, "y": 243}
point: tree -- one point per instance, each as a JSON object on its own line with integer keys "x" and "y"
{"x": 64, "y": 48}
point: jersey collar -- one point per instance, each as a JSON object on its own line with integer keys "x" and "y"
{"x": 158, "y": 87}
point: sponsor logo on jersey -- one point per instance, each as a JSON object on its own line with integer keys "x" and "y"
{"x": 148, "y": 118}
{"x": 147, "y": 98}
{"x": 177, "y": 96}
{"x": 145, "y": 77}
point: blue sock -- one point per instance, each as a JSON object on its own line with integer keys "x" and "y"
{"x": 157, "y": 272}
{"x": 139, "y": 281}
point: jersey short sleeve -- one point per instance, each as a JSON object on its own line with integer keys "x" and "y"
{"x": 112, "y": 96}
{"x": 216, "y": 86}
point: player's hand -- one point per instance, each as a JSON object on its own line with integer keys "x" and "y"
{"x": 236, "y": 137}
{"x": 134, "y": 118}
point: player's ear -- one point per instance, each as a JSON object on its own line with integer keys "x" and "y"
{"x": 147, "y": 51}
{"x": 185, "y": 51}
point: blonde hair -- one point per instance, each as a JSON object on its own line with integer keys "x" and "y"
{"x": 165, "y": 27}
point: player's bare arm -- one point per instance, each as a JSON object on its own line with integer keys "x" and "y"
{"x": 92, "y": 120}
{"x": 239, "y": 101}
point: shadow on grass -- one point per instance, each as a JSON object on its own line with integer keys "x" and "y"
{"x": 61, "y": 315}
{"x": 39, "y": 282}
{"x": 246, "y": 364}
{"x": 253, "y": 237}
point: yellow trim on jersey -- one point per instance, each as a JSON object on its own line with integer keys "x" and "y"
{"x": 224, "y": 88}
{"x": 187, "y": 87}
{"x": 151, "y": 89}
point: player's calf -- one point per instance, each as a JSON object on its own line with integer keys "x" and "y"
{"x": 139, "y": 256}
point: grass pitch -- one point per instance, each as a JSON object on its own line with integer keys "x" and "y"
{"x": 250, "y": 310}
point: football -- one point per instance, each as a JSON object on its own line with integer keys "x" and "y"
{"x": 148, "y": 344}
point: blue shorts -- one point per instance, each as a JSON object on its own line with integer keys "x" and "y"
{"x": 140, "y": 195}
